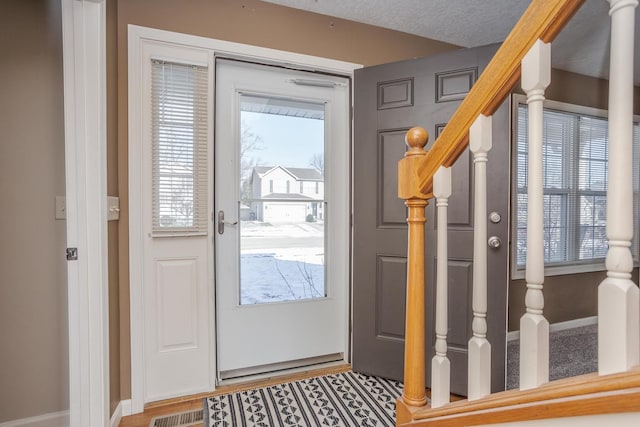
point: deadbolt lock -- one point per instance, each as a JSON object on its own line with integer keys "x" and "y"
{"x": 495, "y": 217}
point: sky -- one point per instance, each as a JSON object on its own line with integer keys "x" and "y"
{"x": 286, "y": 141}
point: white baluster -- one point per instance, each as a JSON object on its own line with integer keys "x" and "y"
{"x": 479, "y": 347}
{"x": 440, "y": 366}
{"x": 534, "y": 328}
{"x": 618, "y": 296}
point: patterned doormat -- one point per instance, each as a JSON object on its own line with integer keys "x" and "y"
{"x": 344, "y": 399}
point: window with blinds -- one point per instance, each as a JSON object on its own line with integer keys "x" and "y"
{"x": 179, "y": 119}
{"x": 575, "y": 154}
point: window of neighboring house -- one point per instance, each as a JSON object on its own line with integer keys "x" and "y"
{"x": 317, "y": 187}
{"x": 288, "y": 187}
{"x": 270, "y": 186}
{"x": 575, "y": 154}
{"x": 301, "y": 187}
{"x": 179, "y": 147}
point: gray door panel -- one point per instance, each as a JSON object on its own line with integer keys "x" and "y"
{"x": 390, "y": 99}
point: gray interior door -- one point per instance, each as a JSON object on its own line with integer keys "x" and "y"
{"x": 390, "y": 99}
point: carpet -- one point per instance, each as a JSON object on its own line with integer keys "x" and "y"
{"x": 572, "y": 352}
{"x": 344, "y": 399}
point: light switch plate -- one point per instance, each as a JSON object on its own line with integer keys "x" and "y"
{"x": 61, "y": 207}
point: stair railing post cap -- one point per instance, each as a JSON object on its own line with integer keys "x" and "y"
{"x": 416, "y": 139}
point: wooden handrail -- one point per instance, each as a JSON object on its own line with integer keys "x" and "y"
{"x": 576, "y": 386}
{"x": 571, "y": 392}
{"x": 543, "y": 20}
{"x": 603, "y": 403}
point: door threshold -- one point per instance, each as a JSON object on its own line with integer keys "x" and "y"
{"x": 266, "y": 379}
{"x": 271, "y": 368}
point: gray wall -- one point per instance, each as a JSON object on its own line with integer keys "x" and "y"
{"x": 33, "y": 307}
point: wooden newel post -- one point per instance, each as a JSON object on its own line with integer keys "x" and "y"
{"x": 408, "y": 189}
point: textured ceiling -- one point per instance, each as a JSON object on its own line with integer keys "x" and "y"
{"x": 582, "y": 47}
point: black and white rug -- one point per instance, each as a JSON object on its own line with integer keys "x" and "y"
{"x": 344, "y": 399}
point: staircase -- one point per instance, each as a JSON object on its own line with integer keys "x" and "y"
{"x": 422, "y": 176}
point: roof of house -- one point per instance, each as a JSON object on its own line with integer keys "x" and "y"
{"x": 301, "y": 174}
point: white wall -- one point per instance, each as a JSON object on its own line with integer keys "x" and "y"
{"x": 279, "y": 178}
{"x": 310, "y": 189}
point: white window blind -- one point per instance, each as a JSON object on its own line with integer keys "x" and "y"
{"x": 575, "y": 154}
{"x": 179, "y": 144}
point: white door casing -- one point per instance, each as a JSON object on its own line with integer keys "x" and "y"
{"x": 139, "y": 37}
{"x": 84, "y": 63}
{"x": 295, "y": 329}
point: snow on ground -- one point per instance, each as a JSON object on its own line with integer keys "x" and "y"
{"x": 285, "y": 262}
{"x": 281, "y": 275}
{"x": 297, "y": 229}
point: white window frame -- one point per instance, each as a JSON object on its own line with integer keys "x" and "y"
{"x": 199, "y": 158}
{"x": 569, "y": 267}
{"x": 138, "y": 37}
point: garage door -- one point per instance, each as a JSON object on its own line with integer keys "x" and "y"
{"x": 284, "y": 212}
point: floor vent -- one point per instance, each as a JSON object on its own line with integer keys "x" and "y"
{"x": 183, "y": 419}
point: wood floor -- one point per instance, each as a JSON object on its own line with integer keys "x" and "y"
{"x": 191, "y": 403}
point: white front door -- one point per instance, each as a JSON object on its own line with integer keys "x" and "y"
{"x": 282, "y": 217}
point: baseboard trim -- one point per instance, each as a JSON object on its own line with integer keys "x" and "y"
{"x": 560, "y": 326}
{"x": 122, "y": 410}
{"x": 126, "y": 407}
{"x": 61, "y": 419}
{"x": 576, "y": 323}
{"x": 116, "y": 416}
{"x": 54, "y": 419}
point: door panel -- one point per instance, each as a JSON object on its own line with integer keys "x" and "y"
{"x": 177, "y": 296}
{"x": 460, "y": 314}
{"x": 177, "y": 323}
{"x": 391, "y": 147}
{"x": 388, "y": 324}
{"x": 389, "y": 99}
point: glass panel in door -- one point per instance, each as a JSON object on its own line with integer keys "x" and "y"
{"x": 282, "y": 205}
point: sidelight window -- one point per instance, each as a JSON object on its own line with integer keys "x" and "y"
{"x": 179, "y": 118}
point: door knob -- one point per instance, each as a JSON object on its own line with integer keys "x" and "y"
{"x": 494, "y": 242}
{"x": 222, "y": 222}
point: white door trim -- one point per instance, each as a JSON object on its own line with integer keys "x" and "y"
{"x": 84, "y": 62}
{"x": 136, "y": 37}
